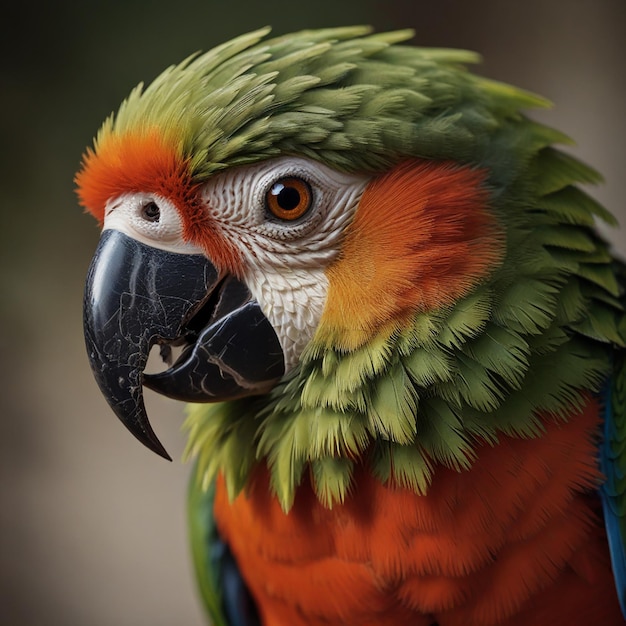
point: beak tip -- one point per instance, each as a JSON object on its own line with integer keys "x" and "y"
{"x": 146, "y": 435}
{"x": 165, "y": 455}
{"x": 158, "y": 448}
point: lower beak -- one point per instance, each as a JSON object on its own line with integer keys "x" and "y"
{"x": 138, "y": 296}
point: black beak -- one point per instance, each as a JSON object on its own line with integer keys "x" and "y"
{"x": 137, "y": 296}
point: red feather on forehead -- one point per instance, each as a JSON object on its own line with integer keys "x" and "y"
{"x": 146, "y": 162}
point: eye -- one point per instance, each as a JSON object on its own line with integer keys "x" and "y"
{"x": 289, "y": 198}
{"x": 151, "y": 212}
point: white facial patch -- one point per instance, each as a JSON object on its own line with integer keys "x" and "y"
{"x": 149, "y": 218}
{"x": 286, "y": 260}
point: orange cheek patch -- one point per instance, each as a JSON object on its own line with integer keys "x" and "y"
{"x": 146, "y": 162}
{"x": 421, "y": 238}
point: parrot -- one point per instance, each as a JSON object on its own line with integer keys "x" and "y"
{"x": 378, "y": 286}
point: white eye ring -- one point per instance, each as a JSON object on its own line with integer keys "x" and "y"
{"x": 149, "y": 218}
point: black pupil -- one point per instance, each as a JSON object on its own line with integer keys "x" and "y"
{"x": 151, "y": 212}
{"x": 288, "y": 198}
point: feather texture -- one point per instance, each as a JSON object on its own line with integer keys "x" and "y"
{"x": 510, "y": 541}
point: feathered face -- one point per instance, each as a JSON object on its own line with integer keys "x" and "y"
{"x": 366, "y": 243}
{"x": 244, "y": 269}
{"x": 278, "y": 223}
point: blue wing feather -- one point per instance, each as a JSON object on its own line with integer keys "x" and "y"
{"x": 613, "y": 466}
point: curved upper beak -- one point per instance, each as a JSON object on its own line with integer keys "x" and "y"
{"x": 137, "y": 296}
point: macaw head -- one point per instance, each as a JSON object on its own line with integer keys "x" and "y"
{"x": 302, "y": 215}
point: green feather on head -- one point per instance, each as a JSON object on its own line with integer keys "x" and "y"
{"x": 351, "y": 99}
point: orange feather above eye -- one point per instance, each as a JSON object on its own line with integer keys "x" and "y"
{"x": 422, "y": 237}
{"x": 147, "y": 162}
{"x": 132, "y": 162}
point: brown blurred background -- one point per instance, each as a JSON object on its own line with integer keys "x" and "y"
{"x": 92, "y": 526}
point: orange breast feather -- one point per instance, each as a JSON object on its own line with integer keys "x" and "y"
{"x": 513, "y": 541}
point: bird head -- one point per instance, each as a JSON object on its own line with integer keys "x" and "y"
{"x": 301, "y": 215}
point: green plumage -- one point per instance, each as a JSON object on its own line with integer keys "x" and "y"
{"x": 530, "y": 339}
{"x": 351, "y": 99}
{"x": 203, "y": 536}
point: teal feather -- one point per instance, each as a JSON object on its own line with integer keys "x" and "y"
{"x": 613, "y": 464}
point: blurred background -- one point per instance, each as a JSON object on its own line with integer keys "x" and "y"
{"x": 92, "y": 525}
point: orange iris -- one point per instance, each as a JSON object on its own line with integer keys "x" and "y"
{"x": 289, "y": 198}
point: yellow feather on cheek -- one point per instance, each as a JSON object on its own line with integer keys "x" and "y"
{"x": 421, "y": 238}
